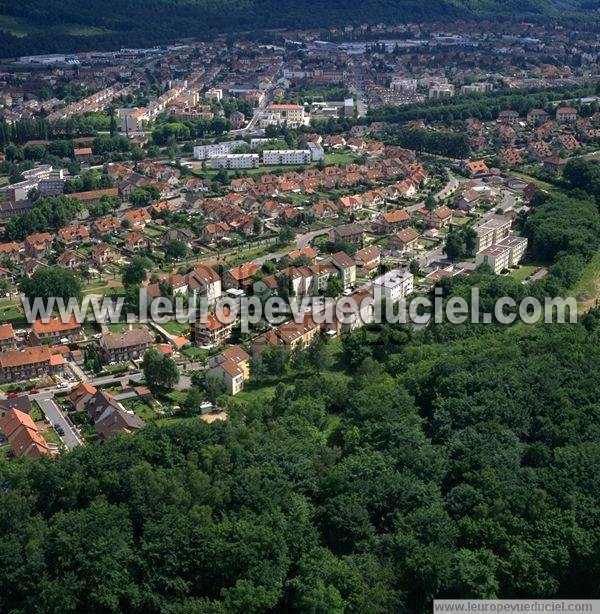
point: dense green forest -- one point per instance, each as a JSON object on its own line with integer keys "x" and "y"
{"x": 32, "y": 26}
{"x": 468, "y": 468}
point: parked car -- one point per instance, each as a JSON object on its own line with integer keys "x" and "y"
{"x": 59, "y": 429}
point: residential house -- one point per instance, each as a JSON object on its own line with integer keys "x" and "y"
{"x": 566, "y": 115}
{"x": 240, "y": 277}
{"x": 138, "y": 218}
{"x": 348, "y": 233}
{"x": 185, "y": 235}
{"x": 110, "y": 417}
{"x": 81, "y": 394}
{"x": 54, "y": 330}
{"x": 232, "y": 367}
{"x": 29, "y": 363}
{"x": 205, "y": 283}
{"x": 322, "y": 272}
{"x": 102, "y": 254}
{"x": 212, "y": 329}
{"x": 128, "y": 345}
{"x": 439, "y": 217}
{"x": 118, "y": 420}
{"x": 82, "y": 154}
{"x": 73, "y": 235}
{"x": 368, "y": 258}
{"x": 346, "y": 267}
{"x": 106, "y": 225}
{"x": 403, "y": 241}
{"x": 508, "y": 117}
{"x": 70, "y": 259}
{"x": 8, "y": 339}
{"x": 289, "y": 335}
{"x": 391, "y": 221}
{"x": 23, "y": 435}
{"x": 213, "y": 232}
{"x": 536, "y": 117}
{"x": 306, "y": 254}
{"x": 38, "y": 244}
{"x": 477, "y": 168}
{"x": 135, "y": 241}
{"x": 9, "y": 251}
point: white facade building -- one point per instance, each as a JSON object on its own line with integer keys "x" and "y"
{"x": 235, "y": 161}
{"x": 393, "y": 286}
{"x": 275, "y": 157}
{"x": 207, "y": 152}
{"x": 316, "y": 151}
{"x": 445, "y": 90}
{"x": 502, "y": 255}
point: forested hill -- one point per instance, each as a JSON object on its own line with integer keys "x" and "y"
{"x": 463, "y": 469}
{"x": 42, "y": 26}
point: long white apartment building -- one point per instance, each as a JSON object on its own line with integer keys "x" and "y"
{"x": 207, "y": 152}
{"x": 235, "y": 161}
{"x": 393, "y": 286}
{"x": 273, "y": 157}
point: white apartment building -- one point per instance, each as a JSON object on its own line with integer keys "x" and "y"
{"x": 42, "y": 171}
{"x": 497, "y": 257}
{"x": 235, "y": 161}
{"x": 492, "y": 230}
{"x": 132, "y": 120}
{"x": 259, "y": 142}
{"x": 517, "y": 246}
{"x": 20, "y": 191}
{"x": 207, "y": 152}
{"x": 274, "y": 157}
{"x": 214, "y": 94}
{"x": 403, "y": 85}
{"x": 316, "y": 151}
{"x": 477, "y": 88}
{"x": 393, "y": 285}
{"x": 503, "y": 255}
{"x": 444, "y": 90}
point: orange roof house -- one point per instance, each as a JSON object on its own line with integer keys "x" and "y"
{"x": 477, "y": 167}
{"x": 22, "y": 434}
{"x": 240, "y": 276}
{"x": 55, "y": 328}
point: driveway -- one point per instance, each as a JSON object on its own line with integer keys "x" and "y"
{"x": 54, "y": 414}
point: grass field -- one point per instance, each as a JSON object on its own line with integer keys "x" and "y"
{"x": 176, "y": 328}
{"x": 51, "y": 436}
{"x": 10, "y": 311}
{"x": 118, "y": 327}
{"x": 15, "y": 26}
{"x": 20, "y": 27}
{"x": 140, "y": 409}
{"x": 588, "y": 285}
{"x": 523, "y": 272}
{"x": 262, "y": 391}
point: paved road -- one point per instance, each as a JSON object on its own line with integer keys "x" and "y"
{"x": 54, "y": 414}
{"x": 302, "y": 240}
{"x": 108, "y": 379}
{"x": 451, "y": 185}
